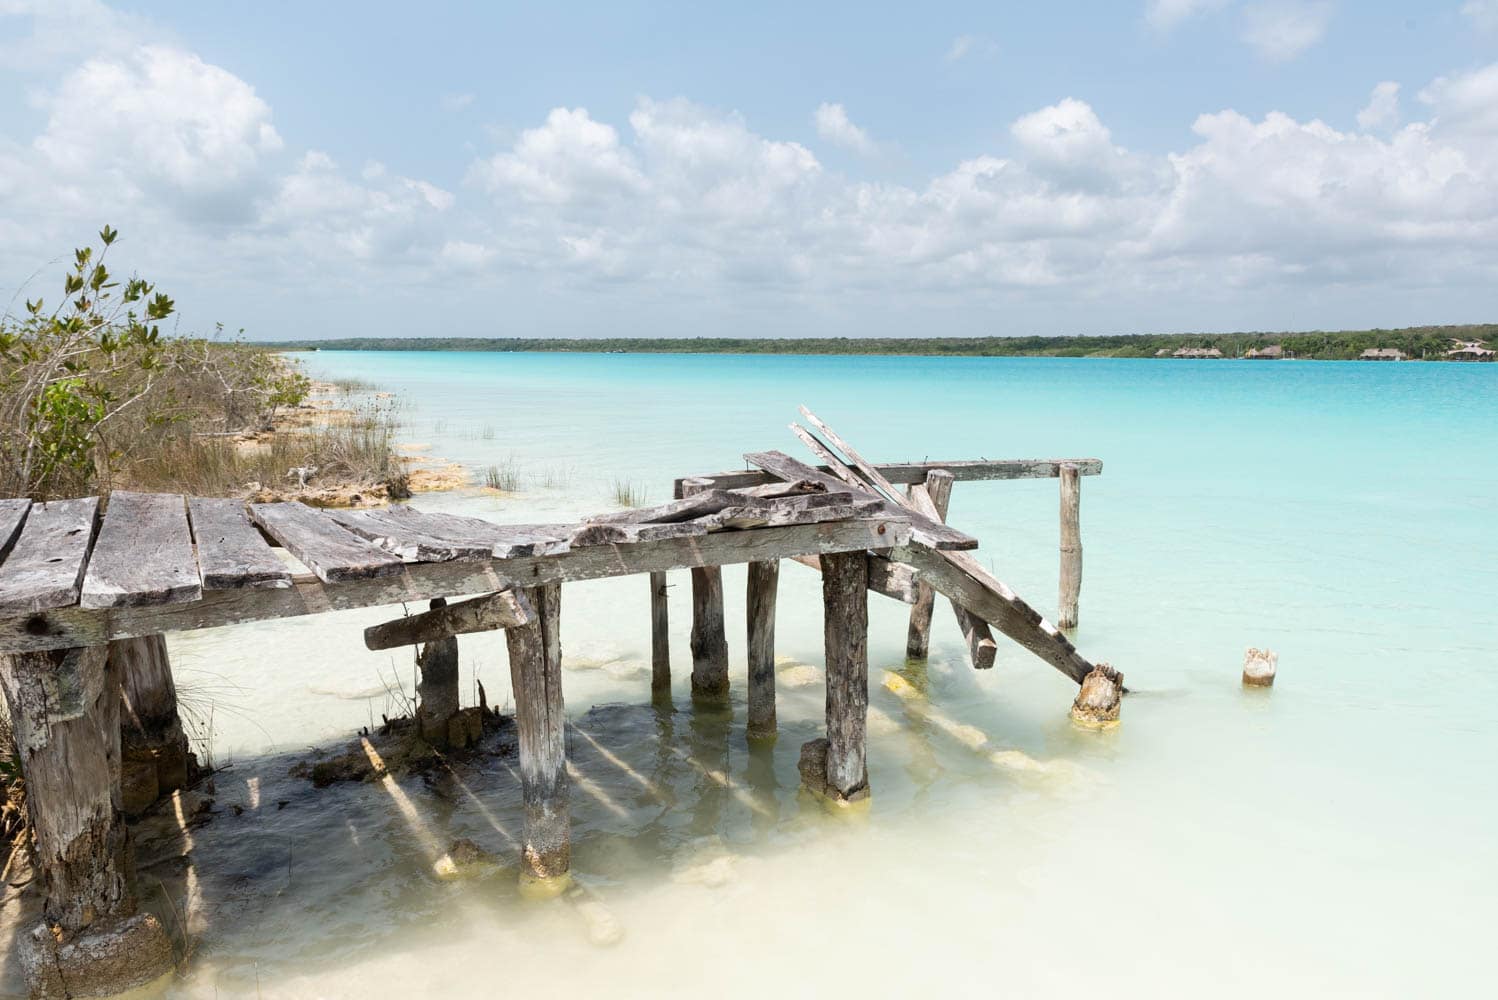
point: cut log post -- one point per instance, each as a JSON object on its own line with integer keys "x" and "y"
{"x": 1071, "y": 545}
{"x": 660, "y": 640}
{"x": 1259, "y": 666}
{"x": 1097, "y": 703}
{"x": 918, "y": 640}
{"x": 504, "y": 609}
{"x": 764, "y": 579}
{"x": 437, "y": 691}
{"x": 154, "y": 757}
{"x": 709, "y": 640}
{"x": 845, "y": 604}
{"x": 536, "y": 677}
{"x": 65, "y": 713}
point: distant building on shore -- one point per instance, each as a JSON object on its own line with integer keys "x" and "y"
{"x": 1197, "y": 352}
{"x": 1382, "y": 354}
{"x": 1271, "y": 353}
{"x": 1470, "y": 350}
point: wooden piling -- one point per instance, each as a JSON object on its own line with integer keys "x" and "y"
{"x": 154, "y": 755}
{"x": 437, "y": 691}
{"x": 764, "y": 579}
{"x": 938, "y": 487}
{"x": 1071, "y": 544}
{"x": 709, "y": 640}
{"x": 65, "y": 713}
{"x": 536, "y": 677}
{"x": 845, "y": 603}
{"x": 660, "y": 641}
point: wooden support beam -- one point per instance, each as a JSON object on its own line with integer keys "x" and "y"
{"x": 981, "y": 648}
{"x": 887, "y": 579}
{"x": 154, "y": 756}
{"x": 709, "y": 640}
{"x": 845, "y": 604}
{"x": 540, "y": 719}
{"x": 764, "y": 579}
{"x": 938, "y": 487}
{"x": 909, "y": 473}
{"x": 1071, "y": 546}
{"x": 506, "y": 609}
{"x": 437, "y": 660}
{"x": 660, "y": 640}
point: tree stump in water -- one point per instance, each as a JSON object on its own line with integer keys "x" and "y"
{"x": 154, "y": 758}
{"x": 1098, "y": 701}
{"x": 1259, "y": 666}
{"x": 65, "y": 712}
{"x": 437, "y": 691}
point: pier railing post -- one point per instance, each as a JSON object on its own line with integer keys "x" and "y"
{"x": 155, "y": 759}
{"x": 65, "y": 715}
{"x": 536, "y": 677}
{"x": 709, "y": 640}
{"x": 1071, "y": 545}
{"x": 764, "y": 579}
{"x": 918, "y": 639}
{"x": 845, "y": 601}
{"x": 660, "y": 642}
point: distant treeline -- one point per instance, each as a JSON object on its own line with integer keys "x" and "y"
{"x": 1430, "y": 342}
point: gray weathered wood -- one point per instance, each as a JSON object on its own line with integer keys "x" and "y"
{"x": 45, "y": 567}
{"x": 399, "y": 530}
{"x": 540, "y": 719}
{"x": 506, "y": 609}
{"x": 924, "y": 529}
{"x": 965, "y": 582}
{"x": 232, "y": 554}
{"x": 1071, "y": 546}
{"x": 12, "y": 516}
{"x": 504, "y": 541}
{"x": 981, "y": 648}
{"x": 660, "y": 640}
{"x": 632, "y": 534}
{"x": 709, "y": 640}
{"x": 938, "y": 487}
{"x": 155, "y": 758}
{"x": 61, "y": 628}
{"x": 910, "y": 473}
{"x": 887, "y": 579}
{"x": 143, "y": 554}
{"x": 764, "y": 579}
{"x": 686, "y": 509}
{"x": 739, "y": 518}
{"x": 437, "y": 691}
{"x": 845, "y": 603}
{"x": 327, "y": 548}
{"x": 870, "y": 473}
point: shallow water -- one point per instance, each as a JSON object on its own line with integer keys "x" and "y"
{"x": 1330, "y": 836}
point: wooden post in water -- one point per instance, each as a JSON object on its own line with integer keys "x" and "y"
{"x": 65, "y": 713}
{"x": 660, "y": 642}
{"x": 764, "y": 579}
{"x": 1071, "y": 545}
{"x": 536, "y": 677}
{"x": 845, "y": 604}
{"x": 709, "y": 640}
{"x": 154, "y": 758}
{"x": 437, "y": 691}
{"x": 918, "y": 639}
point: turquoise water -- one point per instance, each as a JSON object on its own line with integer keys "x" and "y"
{"x": 1332, "y": 836}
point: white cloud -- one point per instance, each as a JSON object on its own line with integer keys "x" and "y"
{"x": 1164, "y": 15}
{"x": 1382, "y": 111}
{"x": 970, "y": 45}
{"x": 1465, "y": 101}
{"x": 1280, "y": 30}
{"x": 1483, "y": 13}
{"x": 570, "y": 157}
{"x": 834, "y": 125}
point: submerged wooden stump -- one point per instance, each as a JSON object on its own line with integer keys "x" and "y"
{"x": 764, "y": 579}
{"x": 65, "y": 712}
{"x": 1098, "y": 701}
{"x": 845, "y": 601}
{"x": 1259, "y": 666}
{"x": 155, "y": 760}
{"x": 437, "y": 691}
{"x": 536, "y": 676}
{"x": 709, "y": 640}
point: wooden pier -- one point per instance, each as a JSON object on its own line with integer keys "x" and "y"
{"x": 87, "y": 590}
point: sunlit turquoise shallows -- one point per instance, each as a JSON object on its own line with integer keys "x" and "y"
{"x": 1332, "y": 836}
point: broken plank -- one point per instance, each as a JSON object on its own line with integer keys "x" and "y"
{"x": 630, "y": 534}
{"x": 400, "y": 530}
{"x": 506, "y": 609}
{"x": 874, "y": 477}
{"x": 46, "y": 562}
{"x": 910, "y": 473}
{"x": 232, "y": 554}
{"x": 12, "y": 516}
{"x": 739, "y": 518}
{"x": 326, "y": 547}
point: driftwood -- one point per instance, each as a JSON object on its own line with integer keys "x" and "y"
{"x": 764, "y": 579}
{"x": 506, "y": 609}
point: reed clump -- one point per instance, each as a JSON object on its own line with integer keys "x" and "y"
{"x": 504, "y": 476}
{"x": 628, "y": 494}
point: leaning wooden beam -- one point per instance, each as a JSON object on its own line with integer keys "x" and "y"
{"x": 866, "y": 469}
{"x": 60, "y": 628}
{"x": 660, "y": 640}
{"x": 540, "y": 719}
{"x": 764, "y": 579}
{"x": 709, "y": 640}
{"x": 1071, "y": 546}
{"x": 909, "y": 473}
{"x": 845, "y": 602}
{"x": 965, "y": 582}
{"x": 938, "y": 487}
{"x": 506, "y": 609}
{"x": 981, "y": 648}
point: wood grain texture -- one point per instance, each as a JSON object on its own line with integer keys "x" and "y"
{"x": 845, "y": 608}
{"x": 910, "y": 473}
{"x": 45, "y": 567}
{"x": 437, "y": 691}
{"x": 12, "y": 516}
{"x": 540, "y": 720}
{"x": 232, "y": 554}
{"x": 887, "y": 579}
{"x": 938, "y": 487}
{"x": 865, "y": 468}
{"x": 400, "y": 530}
{"x": 660, "y": 639}
{"x": 763, "y": 582}
{"x": 327, "y": 548}
{"x": 506, "y": 609}
{"x": 143, "y": 554}
{"x": 709, "y": 640}
{"x": 633, "y": 534}
{"x": 1071, "y": 546}
{"x": 981, "y": 648}
{"x": 504, "y": 541}
{"x": 61, "y": 628}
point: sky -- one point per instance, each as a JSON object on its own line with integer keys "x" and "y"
{"x": 686, "y": 169}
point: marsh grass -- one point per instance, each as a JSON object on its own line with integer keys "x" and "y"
{"x": 557, "y": 477}
{"x": 627, "y": 494}
{"x": 504, "y": 476}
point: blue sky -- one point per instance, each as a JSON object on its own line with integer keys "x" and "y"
{"x": 773, "y": 169}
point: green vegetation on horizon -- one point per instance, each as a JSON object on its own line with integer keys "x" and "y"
{"x": 1430, "y": 342}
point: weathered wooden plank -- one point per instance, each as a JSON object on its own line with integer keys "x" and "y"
{"x": 686, "y": 509}
{"x": 506, "y": 609}
{"x": 12, "y": 516}
{"x": 764, "y": 579}
{"x": 1071, "y": 546}
{"x": 938, "y": 487}
{"x": 327, "y": 548}
{"x": 865, "y": 468}
{"x": 399, "y": 530}
{"x": 540, "y": 722}
{"x": 660, "y": 640}
{"x": 61, "y": 628}
{"x": 887, "y": 579}
{"x": 463, "y": 534}
{"x": 45, "y": 567}
{"x": 709, "y": 640}
{"x": 845, "y": 608}
{"x": 924, "y": 529}
{"x": 739, "y": 518}
{"x": 143, "y": 554}
{"x": 981, "y": 648}
{"x": 910, "y": 473}
{"x": 963, "y": 581}
{"x": 232, "y": 554}
{"x": 630, "y": 534}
